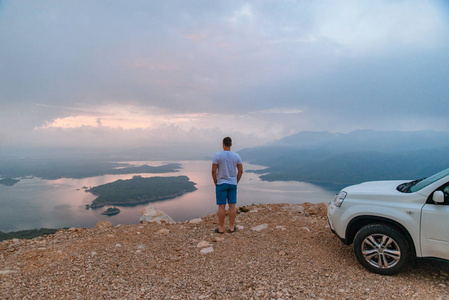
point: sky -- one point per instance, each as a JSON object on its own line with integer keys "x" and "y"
{"x": 184, "y": 74}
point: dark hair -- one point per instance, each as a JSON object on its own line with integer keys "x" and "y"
{"x": 227, "y": 141}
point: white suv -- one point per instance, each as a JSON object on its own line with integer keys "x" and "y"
{"x": 392, "y": 222}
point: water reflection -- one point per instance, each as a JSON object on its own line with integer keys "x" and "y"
{"x": 36, "y": 203}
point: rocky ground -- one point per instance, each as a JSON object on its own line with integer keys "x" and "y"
{"x": 279, "y": 251}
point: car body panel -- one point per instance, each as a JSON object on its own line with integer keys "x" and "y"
{"x": 427, "y": 224}
{"x": 407, "y": 216}
{"x": 435, "y": 231}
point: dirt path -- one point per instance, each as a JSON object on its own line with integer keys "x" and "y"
{"x": 280, "y": 251}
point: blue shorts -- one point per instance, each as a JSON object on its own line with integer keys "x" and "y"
{"x": 225, "y": 192}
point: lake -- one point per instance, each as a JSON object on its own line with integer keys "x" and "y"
{"x": 36, "y": 203}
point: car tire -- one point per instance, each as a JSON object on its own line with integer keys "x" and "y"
{"x": 381, "y": 249}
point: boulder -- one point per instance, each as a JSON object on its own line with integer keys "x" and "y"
{"x": 196, "y": 221}
{"x": 260, "y": 227}
{"x": 203, "y": 244}
{"x": 295, "y": 208}
{"x": 163, "y": 231}
{"x": 151, "y": 214}
{"x": 103, "y": 225}
{"x": 316, "y": 209}
{"x": 207, "y": 250}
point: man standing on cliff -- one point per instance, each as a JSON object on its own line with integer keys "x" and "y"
{"x": 227, "y": 169}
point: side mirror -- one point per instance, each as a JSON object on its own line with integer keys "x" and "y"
{"x": 438, "y": 197}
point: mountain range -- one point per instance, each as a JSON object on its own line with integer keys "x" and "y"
{"x": 335, "y": 160}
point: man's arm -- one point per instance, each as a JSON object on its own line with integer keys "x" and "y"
{"x": 239, "y": 172}
{"x": 214, "y": 172}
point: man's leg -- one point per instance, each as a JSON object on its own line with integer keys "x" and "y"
{"x": 221, "y": 193}
{"x": 232, "y": 214}
{"x": 221, "y": 217}
{"x": 232, "y": 200}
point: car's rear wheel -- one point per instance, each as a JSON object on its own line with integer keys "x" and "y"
{"x": 381, "y": 249}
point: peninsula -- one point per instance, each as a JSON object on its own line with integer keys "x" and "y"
{"x": 77, "y": 168}
{"x": 140, "y": 190}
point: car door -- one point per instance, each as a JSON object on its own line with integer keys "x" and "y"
{"x": 435, "y": 227}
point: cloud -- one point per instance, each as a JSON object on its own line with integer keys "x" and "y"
{"x": 258, "y": 69}
{"x": 282, "y": 111}
{"x": 382, "y": 25}
{"x": 128, "y": 119}
{"x": 243, "y": 13}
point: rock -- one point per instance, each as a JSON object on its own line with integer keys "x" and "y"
{"x": 151, "y": 214}
{"x": 207, "y": 250}
{"x": 305, "y": 229}
{"x": 316, "y": 209}
{"x": 260, "y": 227}
{"x": 103, "y": 225}
{"x": 4, "y": 272}
{"x": 203, "y": 244}
{"x": 281, "y": 228}
{"x": 163, "y": 231}
{"x": 118, "y": 245}
{"x": 295, "y": 208}
{"x": 240, "y": 227}
{"x": 195, "y": 221}
{"x": 243, "y": 209}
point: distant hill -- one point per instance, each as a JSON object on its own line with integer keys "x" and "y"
{"x": 338, "y": 159}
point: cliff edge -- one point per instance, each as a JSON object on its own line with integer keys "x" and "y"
{"x": 280, "y": 251}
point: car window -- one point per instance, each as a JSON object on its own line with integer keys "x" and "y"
{"x": 429, "y": 180}
{"x": 446, "y": 194}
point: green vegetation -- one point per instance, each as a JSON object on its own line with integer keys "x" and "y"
{"x": 9, "y": 181}
{"x": 140, "y": 190}
{"x": 26, "y": 234}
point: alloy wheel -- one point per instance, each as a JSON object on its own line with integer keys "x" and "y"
{"x": 381, "y": 251}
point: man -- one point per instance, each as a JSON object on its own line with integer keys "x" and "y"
{"x": 227, "y": 169}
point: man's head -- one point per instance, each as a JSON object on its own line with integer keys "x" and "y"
{"x": 227, "y": 142}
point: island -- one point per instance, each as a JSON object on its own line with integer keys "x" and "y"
{"x": 111, "y": 211}
{"x": 9, "y": 181}
{"x": 139, "y": 190}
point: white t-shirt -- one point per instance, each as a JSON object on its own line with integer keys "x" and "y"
{"x": 227, "y": 162}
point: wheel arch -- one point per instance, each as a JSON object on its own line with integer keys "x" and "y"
{"x": 360, "y": 221}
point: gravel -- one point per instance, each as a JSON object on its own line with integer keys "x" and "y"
{"x": 291, "y": 255}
